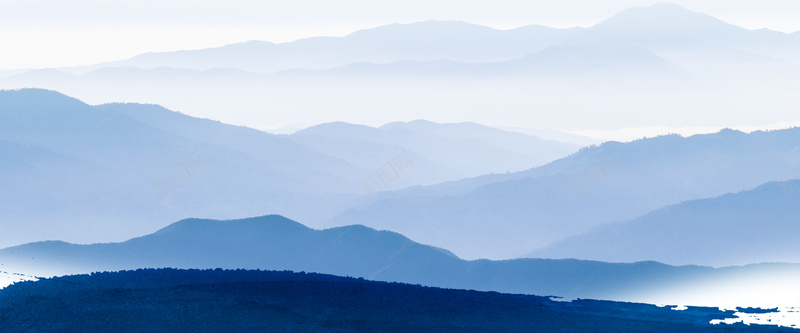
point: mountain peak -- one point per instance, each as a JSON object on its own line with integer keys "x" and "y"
{"x": 659, "y": 12}
{"x": 436, "y": 27}
{"x": 44, "y": 107}
{"x": 270, "y": 222}
{"x": 659, "y": 24}
{"x": 31, "y": 98}
{"x": 410, "y": 124}
{"x": 337, "y": 128}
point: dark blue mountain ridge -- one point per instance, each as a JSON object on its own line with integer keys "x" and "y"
{"x": 276, "y": 243}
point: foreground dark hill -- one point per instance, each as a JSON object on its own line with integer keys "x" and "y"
{"x": 508, "y": 216}
{"x": 170, "y": 300}
{"x": 760, "y": 225}
{"x": 214, "y": 301}
{"x": 276, "y": 243}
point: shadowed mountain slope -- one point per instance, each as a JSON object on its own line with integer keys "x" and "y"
{"x": 276, "y": 243}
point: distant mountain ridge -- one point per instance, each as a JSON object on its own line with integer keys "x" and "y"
{"x": 421, "y": 41}
{"x": 752, "y": 226}
{"x": 500, "y": 216}
{"x": 658, "y": 26}
{"x": 450, "y": 151}
{"x": 98, "y": 173}
{"x": 76, "y": 171}
{"x": 63, "y": 159}
{"x": 662, "y": 58}
{"x": 660, "y": 23}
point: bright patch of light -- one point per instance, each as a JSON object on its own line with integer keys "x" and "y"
{"x": 9, "y": 278}
{"x": 786, "y": 317}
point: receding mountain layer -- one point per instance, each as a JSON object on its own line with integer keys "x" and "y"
{"x": 758, "y": 225}
{"x": 507, "y": 216}
{"x": 276, "y": 243}
{"x": 678, "y": 67}
{"x": 110, "y": 172}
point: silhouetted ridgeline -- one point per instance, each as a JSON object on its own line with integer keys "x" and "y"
{"x": 169, "y": 300}
{"x": 277, "y": 243}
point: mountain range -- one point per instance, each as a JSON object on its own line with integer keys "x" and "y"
{"x": 662, "y": 58}
{"x": 422, "y": 41}
{"x": 74, "y": 171}
{"x": 512, "y": 215}
{"x": 96, "y": 183}
{"x": 276, "y": 243}
{"x": 661, "y": 28}
{"x": 92, "y": 173}
{"x": 440, "y": 147}
{"x": 759, "y": 225}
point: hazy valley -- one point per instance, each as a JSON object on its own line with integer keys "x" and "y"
{"x": 392, "y": 161}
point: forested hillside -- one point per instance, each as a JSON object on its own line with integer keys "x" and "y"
{"x": 169, "y": 300}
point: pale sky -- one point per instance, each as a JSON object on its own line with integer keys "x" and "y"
{"x": 55, "y": 33}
